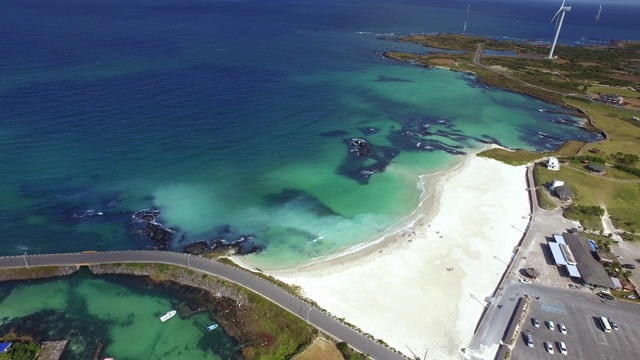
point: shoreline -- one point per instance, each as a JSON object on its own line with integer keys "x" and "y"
{"x": 420, "y": 264}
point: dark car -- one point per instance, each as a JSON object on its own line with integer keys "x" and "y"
{"x": 606, "y": 296}
{"x": 628, "y": 266}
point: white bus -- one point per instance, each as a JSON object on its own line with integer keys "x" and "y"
{"x": 605, "y": 324}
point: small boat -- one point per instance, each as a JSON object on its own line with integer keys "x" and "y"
{"x": 168, "y": 315}
{"x": 212, "y": 327}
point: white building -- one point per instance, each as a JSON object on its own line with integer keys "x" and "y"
{"x": 553, "y": 164}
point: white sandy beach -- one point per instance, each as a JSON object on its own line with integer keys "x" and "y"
{"x": 401, "y": 291}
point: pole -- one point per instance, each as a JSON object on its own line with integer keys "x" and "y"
{"x": 24, "y": 257}
{"x": 555, "y": 40}
{"x": 188, "y": 264}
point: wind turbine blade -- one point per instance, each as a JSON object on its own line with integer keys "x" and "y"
{"x": 557, "y": 21}
{"x": 561, "y": 6}
{"x": 556, "y": 15}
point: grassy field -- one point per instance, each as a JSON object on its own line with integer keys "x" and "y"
{"x": 622, "y": 132}
{"x": 320, "y": 348}
{"x": 620, "y": 199}
{"x": 622, "y": 91}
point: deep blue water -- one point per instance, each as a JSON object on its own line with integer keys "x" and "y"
{"x": 213, "y": 112}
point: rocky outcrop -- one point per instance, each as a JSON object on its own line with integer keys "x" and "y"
{"x": 153, "y": 228}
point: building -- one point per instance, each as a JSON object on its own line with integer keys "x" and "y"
{"x": 613, "y": 99}
{"x": 592, "y": 273}
{"x": 4, "y": 346}
{"x": 553, "y": 164}
{"x": 562, "y": 190}
{"x": 597, "y": 168}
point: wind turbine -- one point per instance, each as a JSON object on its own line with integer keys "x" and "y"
{"x": 563, "y": 10}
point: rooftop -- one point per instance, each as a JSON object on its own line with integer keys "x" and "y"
{"x": 596, "y": 167}
{"x": 590, "y": 269}
{"x": 563, "y": 191}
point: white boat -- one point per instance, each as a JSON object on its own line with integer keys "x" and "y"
{"x": 212, "y": 327}
{"x": 168, "y": 316}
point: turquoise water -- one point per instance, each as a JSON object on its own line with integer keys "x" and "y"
{"x": 220, "y": 114}
{"x": 115, "y": 310}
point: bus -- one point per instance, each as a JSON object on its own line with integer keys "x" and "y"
{"x": 605, "y": 324}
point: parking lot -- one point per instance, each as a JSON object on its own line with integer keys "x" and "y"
{"x": 584, "y": 339}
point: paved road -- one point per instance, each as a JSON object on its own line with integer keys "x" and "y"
{"x": 476, "y": 60}
{"x": 289, "y": 302}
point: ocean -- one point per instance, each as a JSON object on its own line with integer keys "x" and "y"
{"x": 234, "y": 118}
{"x": 123, "y": 313}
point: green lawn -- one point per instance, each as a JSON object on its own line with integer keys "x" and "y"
{"x": 624, "y": 92}
{"x": 620, "y": 199}
{"x": 623, "y": 133}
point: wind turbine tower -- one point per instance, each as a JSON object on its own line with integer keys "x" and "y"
{"x": 563, "y": 10}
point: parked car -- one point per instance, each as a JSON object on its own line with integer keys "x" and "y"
{"x": 562, "y": 347}
{"x": 614, "y": 326}
{"x": 606, "y": 296}
{"x": 551, "y": 326}
{"x": 529, "y": 338}
{"x": 535, "y": 322}
{"x": 628, "y": 266}
{"x": 549, "y": 347}
{"x": 562, "y": 328}
{"x": 526, "y": 281}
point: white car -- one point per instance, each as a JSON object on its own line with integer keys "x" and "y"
{"x": 526, "y": 281}
{"x": 562, "y": 347}
{"x": 562, "y": 328}
{"x": 549, "y": 347}
{"x": 551, "y": 326}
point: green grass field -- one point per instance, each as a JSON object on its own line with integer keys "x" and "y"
{"x": 620, "y": 199}
{"x": 622, "y": 91}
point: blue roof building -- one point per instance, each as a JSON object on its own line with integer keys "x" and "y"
{"x": 4, "y": 346}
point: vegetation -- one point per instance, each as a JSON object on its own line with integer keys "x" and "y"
{"x": 22, "y": 347}
{"x": 626, "y": 159}
{"x": 629, "y": 169}
{"x": 544, "y": 200}
{"x": 589, "y": 158}
{"x": 619, "y": 198}
{"x": 349, "y": 354}
{"x": 265, "y": 330}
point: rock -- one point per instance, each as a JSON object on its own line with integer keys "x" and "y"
{"x": 359, "y": 146}
{"x": 154, "y": 230}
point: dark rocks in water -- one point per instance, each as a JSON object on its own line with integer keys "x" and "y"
{"x": 369, "y": 130}
{"x": 359, "y": 146}
{"x": 368, "y": 162}
{"x": 334, "y": 133}
{"x": 85, "y": 213}
{"x": 382, "y": 78}
{"x": 301, "y": 199}
{"x": 488, "y": 139}
{"x": 242, "y": 246}
{"x": 153, "y": 229}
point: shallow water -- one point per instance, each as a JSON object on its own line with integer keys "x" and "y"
{"x": 116, "y": 310}
{"x": 214, "y": 112}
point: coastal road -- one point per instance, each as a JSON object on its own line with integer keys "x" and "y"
{"x": 476, "y": 60}
{"x": 254, "y": 283}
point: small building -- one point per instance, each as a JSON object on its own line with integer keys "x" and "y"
{"x": 613, "y": 99}
{"x": 597, "y": 168}
{"x": 591, "y": 271}
{"x": 4, "y": 346}
{"x": 616, "y": 283}
{"x": 563, "y": 192}
{"x": 553, "y": 164}
{"x": 627, "y": 286}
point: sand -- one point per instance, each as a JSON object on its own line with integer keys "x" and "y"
{"x": 424, "y": 287}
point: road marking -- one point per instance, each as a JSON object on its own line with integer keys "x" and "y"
{"x": 554, "y": 308}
